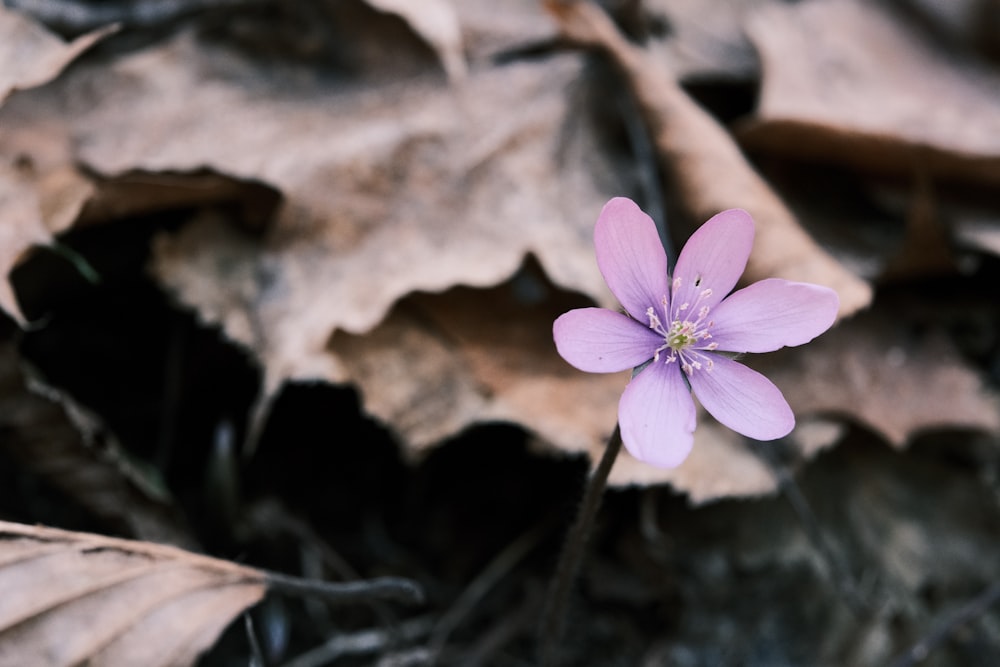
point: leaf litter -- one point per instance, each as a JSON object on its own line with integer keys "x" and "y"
{"x": 409, "y": 239}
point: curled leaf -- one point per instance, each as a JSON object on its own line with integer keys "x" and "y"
{"x": 706, "y": 166}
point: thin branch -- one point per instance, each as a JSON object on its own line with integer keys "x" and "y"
{"x": 496, "y": 570}
{"x": 359, "y": 643}
{"x": 790, "y": 489}
{"x": 554, "y": 614}
{"x": 971, "y": 610}
{"x": 384, "y": 588}
{"x": 257, "y": 656}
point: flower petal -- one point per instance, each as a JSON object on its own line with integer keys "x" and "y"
{"x": 771, "y": 314}
{"x": 631, "y": 257}
{"x": 742, "y": 399}
{"x": 713, "y": 258}
{"x": 602, "y": 341}
{"x": 657, "y": 416}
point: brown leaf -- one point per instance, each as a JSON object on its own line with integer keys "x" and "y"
{"x": 410, "y": 186}
{"x": 31, "y": 56}
{"x": 875, "y": 371}
{"x": 41, "y": 190}
{"x": 706, "y": 40}
{"x": 846, "y": 81}
{"x": 487, "y": 32}
{"x": 441, "y": 363}
{"x": 437, "y": 22}
{"x": 74, "y": 598}
{"x": 34, "y": 204}
{"x": 48, "y": 433}
{"x": 707, "y": 167}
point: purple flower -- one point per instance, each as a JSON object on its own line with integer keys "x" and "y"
{"x": 683, "y": 328}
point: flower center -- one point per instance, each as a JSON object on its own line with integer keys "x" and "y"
{"x": 686, "y": 338}
{"x": 682, "y": 334}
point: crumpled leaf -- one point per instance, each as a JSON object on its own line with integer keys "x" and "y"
{"x": 49, "y": 433}
{"x": 431, "y": 191}
{"x": 78, "y": 598}
{"x": 31, "y": 56}
{"x": 441, "y": 363}
{"x": 845, "y": 81}
{"x": 706, "y": 40}
{"x": 708, "y": 170}
{"x": 875, "y": 371}
{"x": 42, "y": 196}
{"x": 488, "y": 32}
{"x": 435, "y": 21}
{"x": 35, "y": 203}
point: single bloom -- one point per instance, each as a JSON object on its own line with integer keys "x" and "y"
{"x": 683, "y": 333}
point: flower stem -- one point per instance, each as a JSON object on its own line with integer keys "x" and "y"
{"x": 554, "y": 614}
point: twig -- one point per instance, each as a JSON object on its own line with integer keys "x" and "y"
{"x": 943, "y": 630}
{"x": 257, "y": 656}
{"x": 499, "y": 567}
{"x": 792, "y": 492}
{"x": 271, "y": 517}
{"x": 384, "y": 588}
{"x": 554, "y": 614}
{"x": 367, "y": 641}
{"x": 486, "y": 648}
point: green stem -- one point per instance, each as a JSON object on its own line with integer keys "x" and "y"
{"x": 554, "y": 614}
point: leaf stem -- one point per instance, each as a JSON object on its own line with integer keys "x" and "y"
{"x": 384, "y": 588}
{"x": 554, "y": 613}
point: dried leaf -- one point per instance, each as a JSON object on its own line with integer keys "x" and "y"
{"x": 433, "y": 190}
{"x": 488, "y": 32}
{"x": 846, "y": 81}
{"x": 74, "y": 598}
{"x": 926, "y": 248}
{"x": 437, "y": 22}
{"x": 35, "y": 203}
{"x": 31, "y": 56}
{"x": 50, "y": 434}
{"x": 706, "y": 40}
{"x": 441, "y": 363}
{"x": 876, "y": 372}
{"x": 707, "y": 167}
{"x": 41, "y": 191}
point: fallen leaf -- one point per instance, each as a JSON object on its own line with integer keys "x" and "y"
{"x": 35, "y": 203}
{"x": 877, "y": 371}
{"x": 706, "y": 41}
{"x": 441, "y": 363}
{"x": 437, "y": 22}
{"x": 77, "y": 598}
{"x": 433, "y": 190}
{"x": 31, "y": 56}
{"x": 41, "y": 192}
{"x": 847, "y": 82}
{"x": 487, "y": 32}
{"x": 709, "y": 172}
{"x": 50, "y": 434}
